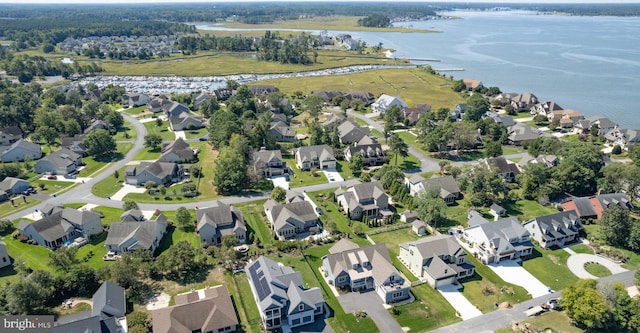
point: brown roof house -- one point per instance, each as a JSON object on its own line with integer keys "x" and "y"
{"x": 507, "y": 169}
{"x": 291, "y": 219}
{"x": 471, "y": 84}
{"x": 364, "y": 199}
{"x": 62, "y": 227}
{"x": 204, "y": 310}
{"x": 412, "y": 115}
{"x": 282, "y": 132}
{"x": 320, "y": 157}
{"x": 219, "y": 220}
{"x": 367, "y": 268}
{"x": 594, "y": 206}
{"x": 438, "y": 259}
{"x": 372, "y": 154}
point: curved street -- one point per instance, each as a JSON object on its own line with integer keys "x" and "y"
{"x": 577, "y": 261}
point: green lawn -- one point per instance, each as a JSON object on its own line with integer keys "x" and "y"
{"x": 393, "y": 239}
{"x": 593, "y": 233}
{"x": 429, "y": 311}
{"x": 330, "y": 211}
{"x": 135, "y": 110}
{"x": 109, "y": 214}
{"x": 255, "y": 217}
{"x": 497, "y": 290}
{"x": 53, "y": 186}
{"x": 163, "y": 130}
{"x": 147, "y": 154}
{"x": 127, "y": 132}
{"x": 339, "y": 321}
{"x": 194, "y": 134}
{"x": 406, "y": 163}
{"x": 550, "y": 267}
{"x": 527, "y": 209}
{"x": 93, "y": 165}
{"x": 6, "y": 208}
{"x": 553, "y": 321}
{"x": 597, "y": 270}
{"x": 245, "y": 303}
{"x": 344, "y": 169}
{"x": 304, "y": 178}
{"x": 108, "y": 186}
{"x": 582, "y": 248}
{"x": 508, "y": 150}
{"x": 412, "y": 141}
{"x": 93, "y": 252}
{"x": 174, "y": 235}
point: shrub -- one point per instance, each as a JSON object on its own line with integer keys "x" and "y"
{"x": 617, "y": 150}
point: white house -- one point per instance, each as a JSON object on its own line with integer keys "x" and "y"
{"x": 385, "y": 102}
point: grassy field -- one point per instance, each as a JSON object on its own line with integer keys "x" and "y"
{"x": 148, "y": 154}
{"x": 339, "y": 321}
{"x": 163, "y": 130}
{"x": 500, "y": 291}
{"x": 194, "y": 134}
{"x": 135, "y": 110}
{"x": 429, "y": 311}
{"x": 304, "y": 178}
{"x": 392, "y": 240}
{"x": 527, "y": 209}
{"x": 414, "y": 85}
{"x": 331, "y": 212}
{"x": 108, "y": 186}
{"x": 53, "y": 186}
{"x": 245, "y": 303}
{"x": 255, "y": 217}
{"x": 553, "y": 321}
{"x": 406, "y": 163}
{"x": 597, "y": 270}
{"x": 336, "y": 22}
{"x": 6, "y": 208}
{"x": 582, "y": 248}
{"x": 545, "y": 261}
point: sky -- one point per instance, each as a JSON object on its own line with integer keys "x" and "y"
{"x": 214, "y": 1}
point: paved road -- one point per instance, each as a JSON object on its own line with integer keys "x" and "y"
{"x": 370, "y": 303}
{"x": 505, "y": 317}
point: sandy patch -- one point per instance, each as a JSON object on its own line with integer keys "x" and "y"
{"x": 159, "y": 302}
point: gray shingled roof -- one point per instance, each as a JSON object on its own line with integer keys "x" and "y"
{"x": 291, "y": 213}
{"x": 109, "y": 301}
{"x": 143, "y": 233}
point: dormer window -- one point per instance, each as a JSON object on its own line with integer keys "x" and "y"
{"x": 300, "y": 307}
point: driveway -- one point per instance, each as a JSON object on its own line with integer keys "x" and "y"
{"x": 180, "y": 134}
{"x": 332, "y": 174}
{"x": 280, "y": 181}
{"x": 512, "y": 272}
{"x": 459, "y": 302}
{"x": 371, "y": 303}
{"x": 577, "y": 261}
{"x": 126, "y": 189}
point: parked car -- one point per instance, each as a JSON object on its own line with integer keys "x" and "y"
{"x": 52, "y": 177}
{"x": 70, "y": 176}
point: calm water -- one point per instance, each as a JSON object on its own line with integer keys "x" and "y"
{"x": 590, "y": 64}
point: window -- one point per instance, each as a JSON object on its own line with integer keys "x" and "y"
{"x": 295, "y": 321}
{"x": 397, "y": 294}
{"x": 306, "y": 319}
{"x": 300, "y": 307}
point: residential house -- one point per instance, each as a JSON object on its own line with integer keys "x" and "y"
{"x": 622, "y": 137}
{"x": 5, "y": 260}
{"x": 280, "y": 295}
{"x": 158, "y": 104}
{"x": 205, "y": 310}
{"x": 132, "y": 215}
{"x": 554, "y": 230}
{"x": 497, "y": 211}
{"x": 408, "y": 216}
{"x": 177, "y": 151}
{"x": 74, "y": 143}
{"x": 492, "y": 242}
{"x": 372, "y": 154}
{"x": 185, "y": 121}
{"x": 350, "y": 132}
{"x": 545, "y": 108}
{"x": 506, "y": 121}
{"x": 566, "y": 118}
{"x": 9, "y": 135}
{"x": 332, "y": 121}
{"x": 97, "y": 124}
{"x": 385, "y": 102}
{"x": 438, "y": 259}
{"x": 412, "y": 115}
{"x": 524, "y": 102}
{"x": 219, "y": 220}
{"x": 128, "y": 236}
{"x": 604, "y": 125}
{"x": 269, "y": 163}
{"x": 549, "y": 161}
{"x": 503, "y": 99}
{"x": 61, "y": 162}
{"x": 459, "y": 110}
{"x": 161, "y": 173}
{"x": 520, "y": 134}
{"x": 419, "y": 227}
{"x": 174, "y": 109}
{"x": 62, "y": 227}
{"x": 197, "y": 100}
{"x": 222, "y": 94}
{"x": 291, "y": 219}
{"x": 507, "y": 169}
{"x": 471, "y": 84}
{"x": 12, "y": 185}
{"x": 594, "y": 206}
{"x": 367, "y": 268}
{"x": 364, "y": 199}
{"x": 320, "y": 157}
{"x": 107, "y": 314}
{"x": 365, "y": 97}
{"x": 94, "y": 95}
{"x": 134, "y": 100}
{"x": 19, "y": 151}
{"x": 262, "y": 89}
{"x": 282, "y": 132}
{"x": 327, "y": 96}
{"x": 445, "y": 186}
